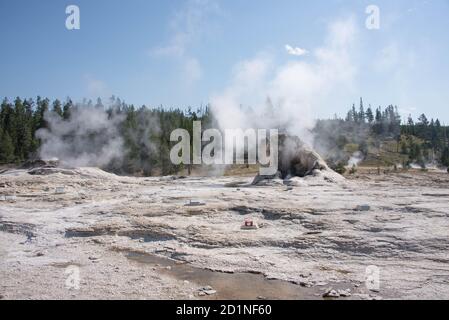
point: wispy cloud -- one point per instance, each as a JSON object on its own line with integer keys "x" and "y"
{"x": 295, "y": 51}
{"x": 417, "y": 6}
{"x": 192, "y": 70}
{"x": 187, "y": 26}
{"x": 387, "y": 58}
{"x": 95, "y": 87}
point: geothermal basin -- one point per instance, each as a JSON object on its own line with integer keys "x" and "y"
{"x": 112, "y": 237}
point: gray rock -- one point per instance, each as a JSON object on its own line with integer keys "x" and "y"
{"x": 331, "y": 293}
{"x": 363, "y": 207}
{"x": 210, "y": 292}
{"x": 321, "y": 284}
{"x": 344, "y": 293}
{"x": 195, "y": 204}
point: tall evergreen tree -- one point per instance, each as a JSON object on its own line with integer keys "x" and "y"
{"x": 423, "y": 120}
{"x": 6, "y": 148}
{"x": 369, "y": 115}
{"x": 57, "y": 108}
{"x": 362, "y": 115}
{"x": 99, "y": 104}
{"x": 378, "y": 115}
{"x": 66, "y": 112}
{"x": 23, "y": 131}
{"x": 39, "y": 116}
{"x": 354, "y": 114}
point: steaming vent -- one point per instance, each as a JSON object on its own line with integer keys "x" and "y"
{"x": 296, "y": 159}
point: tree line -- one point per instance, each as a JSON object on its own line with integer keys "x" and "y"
{"x": 422, "y": 141}
{"x": 145, "y": 131}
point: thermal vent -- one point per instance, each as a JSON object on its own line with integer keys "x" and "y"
{"x": 296, "y": 159}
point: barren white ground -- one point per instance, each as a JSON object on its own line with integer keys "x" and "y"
{"x": 310, "y": 234}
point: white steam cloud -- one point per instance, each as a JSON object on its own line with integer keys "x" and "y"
{"x": 355, "y": 159}
{"x": 287, "y": 96}
{"x": 89, "y": 138}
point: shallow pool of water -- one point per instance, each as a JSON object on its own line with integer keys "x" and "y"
{"x": 230, "y": 286}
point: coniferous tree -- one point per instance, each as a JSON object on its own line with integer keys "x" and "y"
{"x": 99, "y": 104}
{"x": 423, "y": 120}
{"x": 23, "y": 131}
{"x": 39, "y": 115}
{"x": 410, "y": 125}
{"x": 6, "y": 148}
{"x": 445, "y": 157}
{"x": 369, "y": 115}
{"x": 57, "y": 108}
{"x": 66, "y": 112}
{"x": 354, "y": 113}
{"x": 378, "y": 115}
{"x": 362, "y": 115}
{"x": 349, "y": 117}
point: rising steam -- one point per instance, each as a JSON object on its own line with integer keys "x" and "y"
{"x": 90, "y": 137}
{"x": 287, "y": 96}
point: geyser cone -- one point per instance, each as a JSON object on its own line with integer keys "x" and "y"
{"x": 296, "y": 159}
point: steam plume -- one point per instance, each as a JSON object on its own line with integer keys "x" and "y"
{"x": 89, "y": 138}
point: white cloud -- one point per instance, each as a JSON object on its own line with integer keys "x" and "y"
{"x": 295, "y": 51}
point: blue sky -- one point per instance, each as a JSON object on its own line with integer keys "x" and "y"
{"x": 187, "y": 53}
